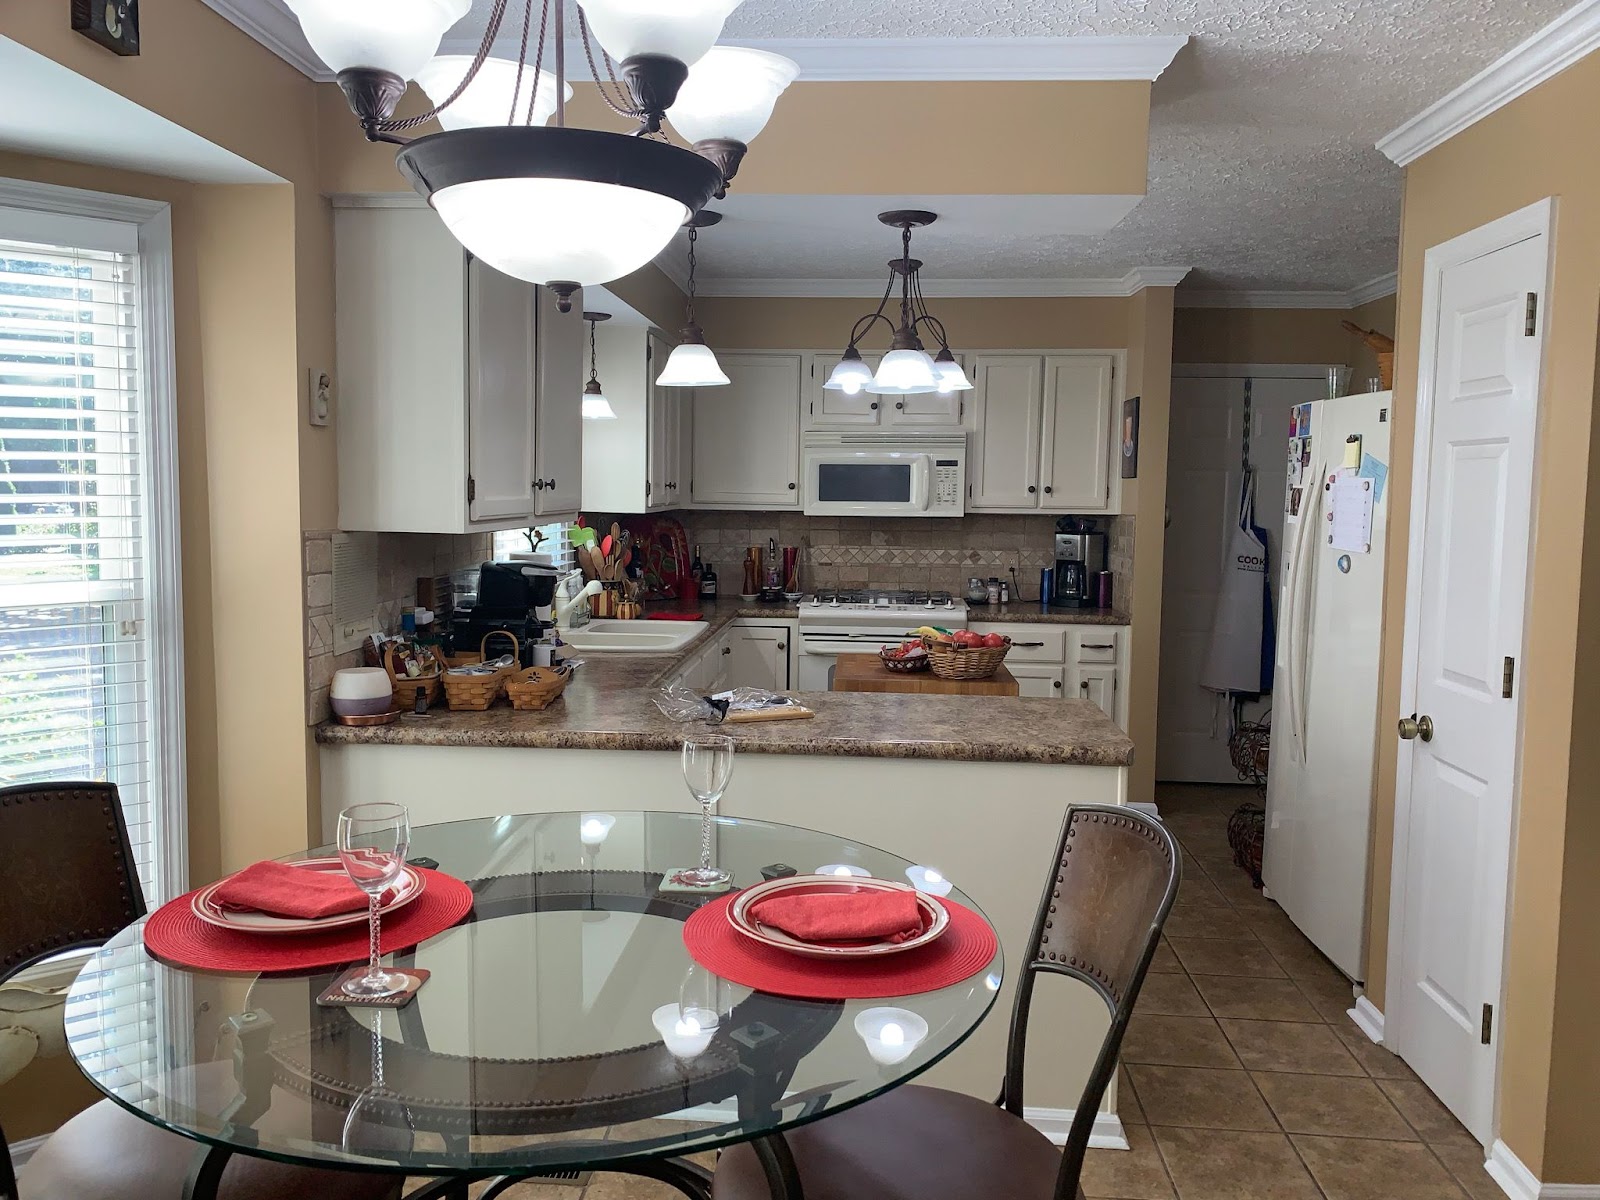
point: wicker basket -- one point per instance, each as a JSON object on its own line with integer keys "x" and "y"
{"x": 965, "y": 662}
{"x": 537, "y": 687}
{"x": 474, "y": 693}
{"x": 905, "y": 666}
{"x": 405, "y": 686}
{"x": 1386, "y": 369}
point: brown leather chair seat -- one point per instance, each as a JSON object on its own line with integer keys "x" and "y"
{"x": 912, "y": 1143}
{"x": 107, "y": 1153}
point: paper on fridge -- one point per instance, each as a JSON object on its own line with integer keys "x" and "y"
{"x": 1350, "y": 512}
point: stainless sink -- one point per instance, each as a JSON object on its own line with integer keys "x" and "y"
{"x": 634, "y": 637}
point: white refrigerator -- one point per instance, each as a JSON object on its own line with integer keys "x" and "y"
{"x": 1325, "y": 687}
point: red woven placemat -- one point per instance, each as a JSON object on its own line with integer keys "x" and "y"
{"x": 175, "y": 935}
{"x": 968, "y": 945}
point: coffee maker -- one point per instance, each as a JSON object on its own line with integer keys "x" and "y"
{"x": 1080, "y": 557}
{"x": 509, "y": 598}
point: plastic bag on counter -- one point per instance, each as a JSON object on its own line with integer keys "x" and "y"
{"x": 679, "y": 703}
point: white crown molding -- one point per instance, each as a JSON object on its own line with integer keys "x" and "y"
{"x": 1125, "y": 285}
{"x": 1550, "y": 51}
{"x": 276, "y": 28}
{"x": 1519, "y": 1183}
{"x": 1373, "y": 289}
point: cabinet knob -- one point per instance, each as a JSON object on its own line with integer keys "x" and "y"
{"x": 550, "y": 483}
{"x": 1056, "y": 685}
{"x": 538, "y": 485}
{"x": 791, "y": 487}
{"x": 874, "y": 406}
{"x": 1048, "y": 489}
{"x": 727, "y": 649}
{"x": 899, "y": 403}
{"x": 1032, "y": 489}
{"x": 1084, "y": 686}
{"x": 783, "y": 645}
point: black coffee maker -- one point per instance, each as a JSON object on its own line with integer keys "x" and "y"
{"x": 1080, "y": 557}
{"x": 509, "y": 597}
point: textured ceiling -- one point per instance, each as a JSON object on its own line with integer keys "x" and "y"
{"x": 1262, "y": 168}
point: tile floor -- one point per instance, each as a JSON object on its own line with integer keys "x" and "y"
{"x": 1242, "y": 1079}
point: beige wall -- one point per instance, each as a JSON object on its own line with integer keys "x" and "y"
{"x": 1281, "y": 335}
{"x": 1549, "y": 1051}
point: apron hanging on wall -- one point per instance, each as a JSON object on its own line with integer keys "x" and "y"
{"x": 1240, "y": 653}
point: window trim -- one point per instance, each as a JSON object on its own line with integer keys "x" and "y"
{"x": 153, "y": 219}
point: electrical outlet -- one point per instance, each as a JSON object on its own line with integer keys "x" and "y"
{"x": 319, "y": 396}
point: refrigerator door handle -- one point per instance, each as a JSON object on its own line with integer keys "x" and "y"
{"x": 1299, "y": 614}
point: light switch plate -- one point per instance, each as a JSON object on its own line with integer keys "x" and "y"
{"x": 319, "y": 396}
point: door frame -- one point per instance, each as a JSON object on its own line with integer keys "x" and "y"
{"x": 1536, "y": 219}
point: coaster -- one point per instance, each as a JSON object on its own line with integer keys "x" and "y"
{"x": 671, "y": 883}
{"x": 333, "y": 996}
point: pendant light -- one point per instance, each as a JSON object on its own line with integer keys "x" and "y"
{"x": 907, "y": 369}
{"x": 558, "y": 206}
{"x": 727, "y": 99}
{"x": 692, "y": 363}
{"x": 595, "y": 406}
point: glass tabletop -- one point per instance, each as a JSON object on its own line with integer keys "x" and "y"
{"x": 534, "y": 1046}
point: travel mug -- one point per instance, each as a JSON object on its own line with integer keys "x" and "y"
{"x": 1102, "y": 582}
{"x": 1047, "y": 584}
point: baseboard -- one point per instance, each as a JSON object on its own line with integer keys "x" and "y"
{"x": 1519, "y": 1183}
{"x": 22, "y": 1151}
{"x": 1054, "y": 1123}
{"x": 1367, "y": 1018}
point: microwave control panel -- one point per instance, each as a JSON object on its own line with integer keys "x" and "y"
{"x": 946, "y": 483}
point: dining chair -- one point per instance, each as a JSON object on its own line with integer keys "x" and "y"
{"x": 1111, "y": 885}
{"x": 69, "y": 882}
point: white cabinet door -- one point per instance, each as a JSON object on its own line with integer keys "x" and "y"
{"x": 500, "y": 395}
{"x": 1040, "y": 682}
{"x": 1003, "y": 459}
{"x": 1096, "y": 684}
{"x": 836, "y": 410}
{"x": 760, "y": 658}
{"x": 746, "y": 436}
{"x": 926, "y": 409}
{"x": 665, "y": 459}
{"x": 1074, "y": 466}
{"x": 558, "y": 451}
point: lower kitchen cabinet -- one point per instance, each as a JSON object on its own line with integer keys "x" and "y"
{"x": 759, "y": 658}
{"x": 1082, "y": 662}
{"x": 1041, "y": 682}
{"x": 1095, "y": 684}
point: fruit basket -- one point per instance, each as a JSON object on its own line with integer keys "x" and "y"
{"x": 901, "y": 661}
{"x": 957, "y": 660}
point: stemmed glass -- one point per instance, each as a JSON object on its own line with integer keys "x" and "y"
{"x": 707, "y": 766}
{"x": 373, "y": 840}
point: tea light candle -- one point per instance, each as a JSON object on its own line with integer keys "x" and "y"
{"x": 594, "y": 828}
{"x": 927, "y": 879}
{"x": 685, "y": 1031}
{"x": 843, "y": 870}
{"x": 890, "y": 1034}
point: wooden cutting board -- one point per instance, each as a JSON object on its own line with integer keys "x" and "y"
{"x": 866, "y": 673}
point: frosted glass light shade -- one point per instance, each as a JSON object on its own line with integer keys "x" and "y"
{"x": 559, "y": 230}
{"x": 691, "y": 365}
{"x": 597, "y": 408}
{"x": 730, "y": 94}
{"x": 398, "y": 36}
{"x": 850, "y": 376}
{"x": 903, "y": 373}
{"x": 949, "y": 375}
{"x": 680, "y": 29}
{"x": 487, "y": 100}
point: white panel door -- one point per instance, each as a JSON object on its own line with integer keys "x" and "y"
{"x": 1098, "y": 685}
{"x": 1075, "y": 450}
{"x": 1041, "y": 682}
{"x": 1003, "y": 458}
{"x": 926, "y": 409}
{"x": 500, "y": 395}
{"x": 1468, "y": 602}
{"x": 664, "y": 411}
{"x": 836, "y": 410}
{"x": 747, "y": 435}
{"x": 760, "y": 658}
{"x": 1203, "y": 462}
{"x": 558, "y": 450}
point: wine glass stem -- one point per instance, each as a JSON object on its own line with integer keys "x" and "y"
{"x": 374, "y": 971}
{"x": 705, "y": 836}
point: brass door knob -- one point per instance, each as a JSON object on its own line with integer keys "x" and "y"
{"x": 1416, "y": 727}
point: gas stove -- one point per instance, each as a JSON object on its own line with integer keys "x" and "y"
{"x": 893, "y": 606}
{"x": 863, "y": 621}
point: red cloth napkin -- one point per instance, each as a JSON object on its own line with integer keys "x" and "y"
{"x": 843, "y": 916}
{"x": 285, "y": 891}
{"x": 677, "y": 616}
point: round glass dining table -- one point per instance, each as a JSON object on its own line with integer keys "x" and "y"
{"x": 534, "y": 1047}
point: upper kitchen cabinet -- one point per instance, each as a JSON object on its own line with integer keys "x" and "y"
{"x": 826, "y": 409}
{"x": 459, "y": 387}
{"x": 746, "y": 436}
{"x": 1043, "y": 433}
{"x": 671, "y": 448}
{"x": 638, "y": 462}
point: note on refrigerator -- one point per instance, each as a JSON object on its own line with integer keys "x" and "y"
{"x": 1350, "y": 513}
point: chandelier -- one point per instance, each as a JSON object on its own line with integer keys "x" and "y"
{"x": 555, "y": 205}
{"x": 692, "y": 363}
{"x": 907, "y": 368}
{"x": 595, "y": 405}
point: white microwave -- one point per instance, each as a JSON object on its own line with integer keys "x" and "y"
{"x": 885, "y": 475}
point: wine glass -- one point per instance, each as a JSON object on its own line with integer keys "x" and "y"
{"x": 373, "y": 840}
{"x": 707, "y": 766}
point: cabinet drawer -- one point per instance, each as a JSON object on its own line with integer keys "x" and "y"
{"x": 1030, "y": 643}
{"x": 1095, "y": 645}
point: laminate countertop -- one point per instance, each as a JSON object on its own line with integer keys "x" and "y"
{"x": 610, "y": 706}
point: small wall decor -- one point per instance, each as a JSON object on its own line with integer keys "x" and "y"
{"x": 1130, "y": 438}
{"x": 114, "y": 24}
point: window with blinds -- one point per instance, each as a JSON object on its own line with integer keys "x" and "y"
{"x": 551, "y": 539}
{"x": 75, "y": 678}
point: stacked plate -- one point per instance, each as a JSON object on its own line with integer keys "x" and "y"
{"x": 934, "y": 920}
{"x": 406, "y": 889}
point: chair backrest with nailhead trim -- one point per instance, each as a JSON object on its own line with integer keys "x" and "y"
{"x": 68, "y": 878}
{"x": 1112, "y": 883}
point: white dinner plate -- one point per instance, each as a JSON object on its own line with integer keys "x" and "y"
{"x": 405, "y": 889}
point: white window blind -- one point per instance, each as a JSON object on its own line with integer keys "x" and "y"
{"x": 75, "y": 672}
{"x": 555, "y": 543}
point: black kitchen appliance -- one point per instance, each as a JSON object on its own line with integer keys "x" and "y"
{"x": 1080, "y": 557}
{"x": 508, "y": 597}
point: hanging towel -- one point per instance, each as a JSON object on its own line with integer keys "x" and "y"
{"x": 1238, "y": 658}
